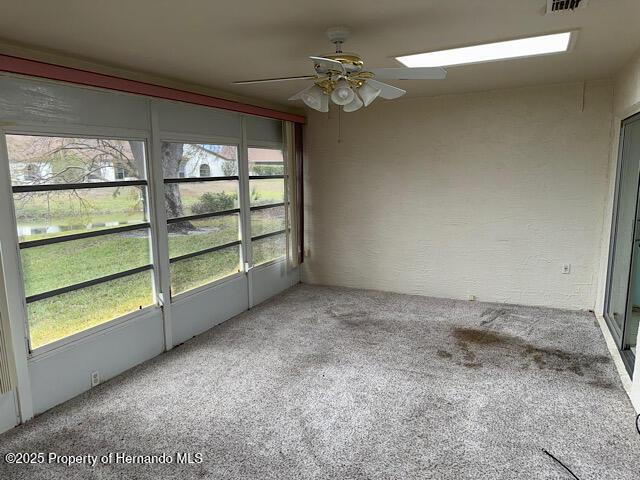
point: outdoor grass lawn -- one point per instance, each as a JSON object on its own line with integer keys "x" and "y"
{"x": 58, "y": 265}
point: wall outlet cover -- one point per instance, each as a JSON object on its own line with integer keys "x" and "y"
{"x": 95, "y": 378}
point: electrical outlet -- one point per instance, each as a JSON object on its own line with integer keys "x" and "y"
{"x": 307, "y": 252}
{"x": 95, "y": 378}
{"x": 472, "y": 298}
{"x": 566, "y": 268}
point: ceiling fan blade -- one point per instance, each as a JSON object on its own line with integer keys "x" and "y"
{"x": 281, "y": 79}
{"x": 386, "y": 91}
{"x": 403, "y": 73}
{"x": 328, "y": 64}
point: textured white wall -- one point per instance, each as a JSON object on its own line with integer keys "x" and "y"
{"x": 627, "y": 87}
{"x": 626, "y": 102}
{"x": 485, "y": 194}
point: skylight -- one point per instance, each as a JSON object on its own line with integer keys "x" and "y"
{"x": 489, "y": 52}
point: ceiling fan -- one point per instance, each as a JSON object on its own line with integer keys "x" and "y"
{"x": 341, "y": 77}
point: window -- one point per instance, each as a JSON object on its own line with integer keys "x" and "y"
{"x": 205, "y": 171}
{"x": 84, "y": 240}
{"x": 267, "y": 197}
{"x": 203, "y": 215}
{"x": 31, "y": 173}
{"x": 119, "y": 172}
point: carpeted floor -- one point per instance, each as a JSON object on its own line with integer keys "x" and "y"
{"x": 335, "y": 383}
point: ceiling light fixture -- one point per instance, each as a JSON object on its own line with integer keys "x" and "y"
{"x": 314, "y": 97}
{"x": 356, "y": 104}
{"x": 368, "y": 93}
{"x": 490, "y": 52}
{"x": 342, "y": 93}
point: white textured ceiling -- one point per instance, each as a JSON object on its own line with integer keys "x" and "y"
{"x": 212, "y": 43}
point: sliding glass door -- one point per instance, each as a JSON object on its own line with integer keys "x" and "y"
{"x": 622, "y": 310}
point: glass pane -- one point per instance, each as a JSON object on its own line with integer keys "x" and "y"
{"x": 37, "y": 160}
{"x": 61, "y": 212}
{"x": 59, "y": 265}
{"x": 630, "y": 155}
{"x": 192, "y": 198}
{"x": 267, "y": 221}
{"x": 267, "y": 191}
{"x": 185, "y": 160}
{"x": 197, "y": 271}
{"x": 58, "y": 317}
{"x": 269, "y": 248}
{"x": 193, "y": 236}
{"x": 266, "y": 161}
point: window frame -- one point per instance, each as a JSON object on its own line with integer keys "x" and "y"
{"x": 187, "y": 139}
{"x": 58, "y": 130}
{"x": 285, "y": 203}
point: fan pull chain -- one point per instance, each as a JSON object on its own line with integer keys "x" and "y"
{"x": 339, "y": 125}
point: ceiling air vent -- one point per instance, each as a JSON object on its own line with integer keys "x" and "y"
{"x": 557, "y": 6}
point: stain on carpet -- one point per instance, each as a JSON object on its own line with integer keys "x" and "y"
{"x": 494, "y": 347}
{"x": 492, "y": 314}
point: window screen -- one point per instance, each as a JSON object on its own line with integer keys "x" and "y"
{"x": 201, "y": 198}
{"x": 267, "y": 199}
{"x": 84, "y": 236}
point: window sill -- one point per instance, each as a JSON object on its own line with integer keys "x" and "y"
{"x": 89, "y": 334}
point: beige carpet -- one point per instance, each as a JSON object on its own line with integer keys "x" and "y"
{"x": 336, "y": 383}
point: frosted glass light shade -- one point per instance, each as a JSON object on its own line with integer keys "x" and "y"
{"x": 342, "y": 94}
{"x": 315, "y": 98}
{"x": 368, "y": 93}
{"x": 356, "y": 104}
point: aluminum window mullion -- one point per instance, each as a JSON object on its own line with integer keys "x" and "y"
{"x": 245, "y": 202}
{"x": 267, "y": 235}
{"x": 48, "y": 187}
{"x": 269, "y": 205}
{"x": 205, "y": 251}
{"x": 157, "y": 190}
{"x": 203, "y": 215}
{"x": 14, "y": 286}
{"x": 79, "y": 236}
{"x": 88, "y": 283}
{"x": 266, "y": 177}
{"x": 200, "y": 179}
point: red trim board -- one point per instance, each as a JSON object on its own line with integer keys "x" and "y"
{"x": 50, "y": 71}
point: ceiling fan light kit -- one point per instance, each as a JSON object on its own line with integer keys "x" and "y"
{"x": 341, "y": 77}
{"x": 355, "y": 104}
{"x": 342, "y": 93}
{"x": 315, "y": 98}
{"x": 368, "y": 93}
